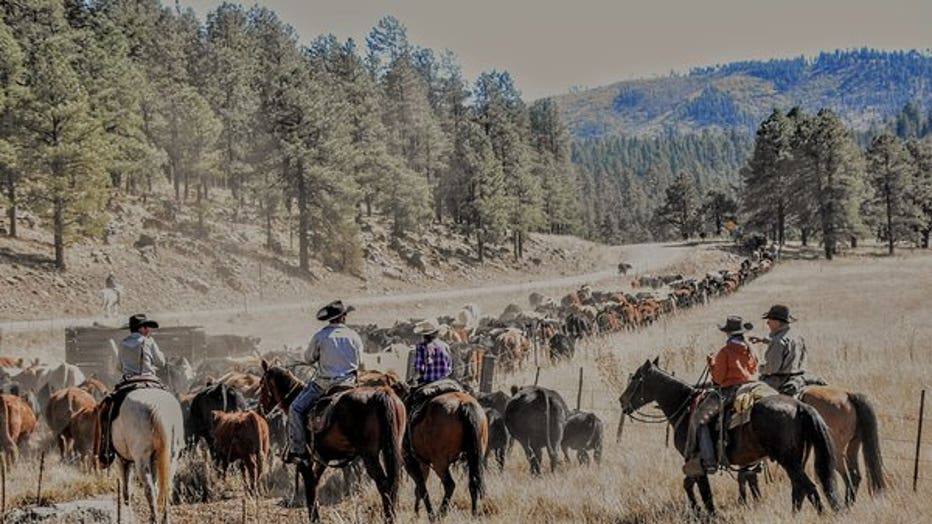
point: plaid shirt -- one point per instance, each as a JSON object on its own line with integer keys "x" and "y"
{"x": 432, "y": 361}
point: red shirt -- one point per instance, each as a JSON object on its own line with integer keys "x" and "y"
{"x": 734, "y": 364}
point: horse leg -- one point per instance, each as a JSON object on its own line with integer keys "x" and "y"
{"x": 742, "y": 487}
{"x": 146, "y": 467}
{"x": 419, "y": 472}
{"x": 803, "y": 487}
{"x": 688, "y": 484}
{"x": 311, "y": 475}
{"x": 124, "y": 476}
{"x": 448, "y": 486}
{"x": 755, "y": 486}
{"x": 854, "y": 472}
{"x": 374, "y": 468}
{"x": 706, "y": 491}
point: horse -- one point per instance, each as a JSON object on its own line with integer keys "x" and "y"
{"x": 110, "y": 300}
{"x": 148, "y": 433}
{"x": 366, "y": 421}
{"x": 781, "y": 428}
{"x": 853, "y": 423}
{"x": 446, "y": 427}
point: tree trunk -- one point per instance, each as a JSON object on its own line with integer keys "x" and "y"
{"x": 925, "y": 238}
{"x": 11, "y": 195}
{"x": 268, "y": 227}
{"x": 781, "y": 224}
{"x": 59, "y": 219}
{"x": 303, "y": 218}
{"x": 187, "y": 182}
{"x": 890, "y": 239}
{"x": 804, "y": 235}
{"x": 176, "y": 181}
{"x": 200, "y": 209}
{"x": 854, "y": 242}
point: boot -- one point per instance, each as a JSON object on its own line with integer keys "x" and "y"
{"x": 105, "y": 453}
{"x": 707, "y": 450}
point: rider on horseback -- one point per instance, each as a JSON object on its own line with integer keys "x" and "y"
{"x": 432, "y": 360}
{"x": 139, "y": 357}
{"x": 785, "y": 358}
{"x": 335, "y": 349}
{"x": 733, "y": 365}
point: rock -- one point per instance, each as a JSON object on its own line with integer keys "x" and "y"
{"x": 143, "y": 241}
{"x": 393, "y": 273}
{"x": 95, "y": 510}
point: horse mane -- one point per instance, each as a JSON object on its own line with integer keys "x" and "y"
{"x": 282, "y": 379}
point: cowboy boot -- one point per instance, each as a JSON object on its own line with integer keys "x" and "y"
{"x": 105, "y": 448}
{"x": 707, "y": 450}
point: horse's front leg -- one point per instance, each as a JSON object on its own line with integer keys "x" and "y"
{"x": 706, "y": 491}
{"x": 311, "y": 473}
{"x": 689, "y": 484}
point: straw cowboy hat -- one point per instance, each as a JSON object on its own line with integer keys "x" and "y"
{"x": 426, "y": 327}
{"x": 734, "y": 325}
{"x": 139, "y": 320}
{"x": 333, "y": 310}
{"x": 779, "y": 312}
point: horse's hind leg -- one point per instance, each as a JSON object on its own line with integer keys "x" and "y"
{"x": 148, "y": 487}
{"x": 374, "y": 468}
{"x": 853, "y": 470}
{"x": 803, "y": 487}
{"x": 419, "y": 473}
{"x": 124, "y": 477}
{"x": 448, "y": 486}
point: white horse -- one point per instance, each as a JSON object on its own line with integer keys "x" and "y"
{"x": 148, "y": 433}
{"x": 111, "y": 300}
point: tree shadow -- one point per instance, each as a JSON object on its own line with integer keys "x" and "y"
{"x": 31, "y": 260}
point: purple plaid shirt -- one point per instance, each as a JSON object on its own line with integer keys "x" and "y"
{"x": 432, "y": 361}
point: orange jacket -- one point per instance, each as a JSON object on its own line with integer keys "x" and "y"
{"x": 733, "y": 364}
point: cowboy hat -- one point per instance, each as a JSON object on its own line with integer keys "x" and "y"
{"x": 779, "y": 312}
{"x": 426, "y": 327}
{"x": 333, "y": 310}
{"x": 734, "y": 325}
{"x": 139, "y": 320}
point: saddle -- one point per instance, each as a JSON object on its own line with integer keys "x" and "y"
{"x": 110, "y": 407}
{"x": 323, "y": 409}
{"x": 745, "y": 398}
{"x": 422, "y": 394}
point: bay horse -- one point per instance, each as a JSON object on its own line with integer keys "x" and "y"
{"x": 148, "y": 433}
{"x": 447, "y": 427}
{"x": 781, "y": 428}
{"x": 366, "y": 421}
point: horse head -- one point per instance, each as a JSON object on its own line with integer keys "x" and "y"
{"x": 275, "y": 386}
{"x": 638, "y": 392}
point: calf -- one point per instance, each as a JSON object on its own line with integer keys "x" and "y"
{"x": 583, "y": 432}
{"x": 17, "y": 422}
{"x": 499, "y": 438}
{"x": 217, "y": 396}
{"x": 62, "y": 405}
{"x": 244, "y": 437}
{"x": 77, "y": 438}
{"x": 562, "y": 347}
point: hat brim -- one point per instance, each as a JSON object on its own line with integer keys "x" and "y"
{"x": 431, "y": 331}
{"x": 740, "y": 331}
{"x": 324, "y": 315}
{"x": 786, "y": 320}
{"x": 148, "y": 323}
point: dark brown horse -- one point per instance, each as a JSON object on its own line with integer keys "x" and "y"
{"x": 448, "y": 426}
{"x": 781, "y": 428}
{"x": 367, "y": 422}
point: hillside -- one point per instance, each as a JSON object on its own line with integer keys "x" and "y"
{"x": 228, "y": 265}
{"x": 863, "y": 86}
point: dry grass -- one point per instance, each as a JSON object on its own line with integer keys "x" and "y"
{"x": 866, "y": 323}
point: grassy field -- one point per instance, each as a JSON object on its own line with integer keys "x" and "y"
{"x": 866, "y": 321}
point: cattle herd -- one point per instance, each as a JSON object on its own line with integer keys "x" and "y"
{"x": 56, "y": 406}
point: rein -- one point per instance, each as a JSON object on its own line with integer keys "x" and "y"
{"x": 676, "y": 416}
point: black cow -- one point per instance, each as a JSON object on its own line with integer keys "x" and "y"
{"x": 562, "y": 347}
{"x": 535, "y": 417}
{"x": 578, "y": 326}
{"x": 499, "y": 438}
{"x": 214, "y": 397}
{"x": 496, "y": 400}
{"x": 583, "y": 432}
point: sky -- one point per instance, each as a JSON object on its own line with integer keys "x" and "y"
{"x": 550, "y": 47}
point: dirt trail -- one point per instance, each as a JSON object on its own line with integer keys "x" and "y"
{"x": 291, "y": 323}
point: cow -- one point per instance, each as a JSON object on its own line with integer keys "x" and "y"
{"x": 242, "y": 437}
{"x": 61, "y": 406}
{"x": 217, "y": 396}
{"x": 77, "y": 438}
{"x": 247, "y": 383}
{"x": 496, "y": 400}
{"x": 17, "y": 422}
{"x": 624, "y": 267}
{"x": 512, "y": 348}
{"x": 583, "y": 432}
{"x": 95, "y": 387}
{"x": 535, "y": 417}
{"x": 578, "y": 326}
{"x": 562, "y": 347}
{"x": 499, "y": 438}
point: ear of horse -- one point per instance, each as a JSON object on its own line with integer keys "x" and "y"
{"x": 514, "y": 390}
{"x": 656, "y": 361}
{"x": 265, "y": 365}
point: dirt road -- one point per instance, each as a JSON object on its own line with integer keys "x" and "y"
{"x": 291, "y": 323}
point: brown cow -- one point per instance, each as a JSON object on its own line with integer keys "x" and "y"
{"x": 9, "y": 362}
{"x": 242, "y": 436}
{"x": 512, "y": 347}
{"x": 17, "y": 422}
{"x": 77, "y": 438}
{"x": 247, "y": 383}
{"x": 62, "y": 405}
{"x": 95, "y": 387}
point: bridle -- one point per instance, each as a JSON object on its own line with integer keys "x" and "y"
{"x": 661, "y": 418}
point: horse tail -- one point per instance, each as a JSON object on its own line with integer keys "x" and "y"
{"x": 391, "y": 441}
{"x": 816, "y": 434}
{"x": 162, "y": 460}
{"x": 475, "y": 438}
{"x": 550, "y": 447}
{"x": 867, "y": 432}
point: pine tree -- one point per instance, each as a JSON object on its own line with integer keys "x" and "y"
{"x": 766, "y": 194}
{"x": 11, "y": 70}
{"x": 889, "y": 169}
{"x": 719, "y": 207}
{"x": 920, "y": 152}
{"x": 681, "y": 207}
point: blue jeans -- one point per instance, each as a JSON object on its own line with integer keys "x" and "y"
{"x": 297, "y": 415}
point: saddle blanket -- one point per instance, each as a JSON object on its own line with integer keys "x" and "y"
{"x": 747, "y": 395}
{"x": 323, "y": 409}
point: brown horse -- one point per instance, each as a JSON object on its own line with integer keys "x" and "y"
{"x": 447, "y": 427}
{"x": 366, "y": 422}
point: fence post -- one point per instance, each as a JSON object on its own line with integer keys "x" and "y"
{"x": 41, "y": 471}
{"x": 579, "y": 389}
{"x": 922, "y": 407}
{"x": 666, "y": 441}
{"x": 119, "y": 501}
{"x": 537, "y": 376}
{"x": 2, "y": 483}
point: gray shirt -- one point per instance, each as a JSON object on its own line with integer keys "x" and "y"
{"x": 786, "y": 353}
{"x": 140, "y": 355}
{"x": 335, "y": 349}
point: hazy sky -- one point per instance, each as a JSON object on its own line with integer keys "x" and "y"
{"x": 550, "y": 46}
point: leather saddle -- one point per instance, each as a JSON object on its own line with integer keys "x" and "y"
{"x": 323, "y": 409}
{"x": 420, "y": 396}
{"x": 738, "y": 413}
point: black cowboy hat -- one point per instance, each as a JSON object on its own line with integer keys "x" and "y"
{"x": 139, "y": 320}
{"x": 779, "y": 312}
{"x": 333, "y": 310}
{"x": 734, "y": 325}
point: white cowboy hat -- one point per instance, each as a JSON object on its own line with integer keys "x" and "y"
{"x": 426, "y": 327}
